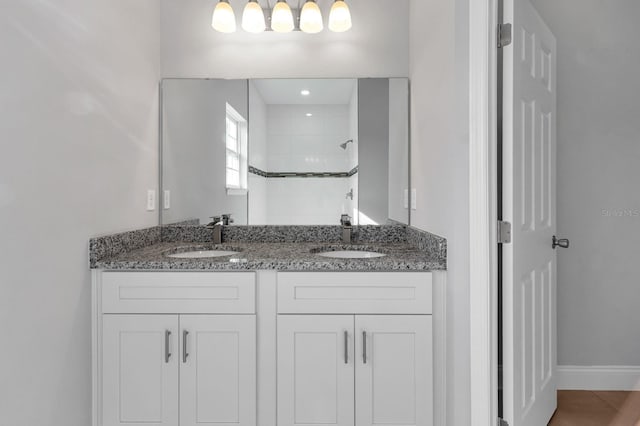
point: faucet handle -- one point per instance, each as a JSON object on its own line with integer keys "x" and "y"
{"x": 345, "y": 220}
{"x": 227, "y": 219}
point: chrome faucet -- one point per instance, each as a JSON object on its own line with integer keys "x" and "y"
{"x": 347, "y": 228}
{"x": 217, "y": 224}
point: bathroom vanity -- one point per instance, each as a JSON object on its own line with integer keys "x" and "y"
{"x": 273, "y": 335}
{"x": 282, "y": 318}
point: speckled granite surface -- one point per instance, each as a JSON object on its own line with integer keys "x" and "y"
{"x": 428, "y": 242}
{"x": 187, "y": 222}
{"x": 286, "y": 234}
{"x": 123, "y": 242}
{"x": 273, "y": 256}
{"x": 286, "y": 248}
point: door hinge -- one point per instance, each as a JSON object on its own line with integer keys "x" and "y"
{"x": 504, "y": 35}
{"x": 504, "y": 232}
{"x": 502, "y": 422}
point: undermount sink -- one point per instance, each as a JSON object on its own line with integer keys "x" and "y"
{"x": 200, "y": 253}
{"x": 351, "y": 254}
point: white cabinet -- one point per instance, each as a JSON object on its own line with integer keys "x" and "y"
{"x": 325, "y": 348}
{"x": 315, "y": 370}
{"x": 175, "y": 349}
{"x": 348, "y": 352}
{"x": 375, "y": 369}
{"x": 218, "y": 370}
{"x": 140, "y": 370}
{"x": 393, "y": 370}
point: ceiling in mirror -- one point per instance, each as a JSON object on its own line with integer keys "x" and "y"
{"x": 306, "y": 91}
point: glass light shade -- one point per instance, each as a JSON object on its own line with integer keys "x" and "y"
{"x": 282, "y": 18}
{"x": 311, "y": 18}
{"x": 253, "y": 18}
{"x": 224, "y": 20}
{"x": 340, "y": 17}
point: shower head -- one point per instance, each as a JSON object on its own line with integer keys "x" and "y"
{"x": 344, "y": 145}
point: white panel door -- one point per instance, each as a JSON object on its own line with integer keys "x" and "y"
{"x": 140, "y": 370}
{"x": 315, "y": 370}
{"x": 529, "y": 203}
{"x": 394, "y": 370}
{"x": 218, "y": 370}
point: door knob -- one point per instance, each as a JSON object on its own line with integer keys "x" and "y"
{"x": 562, "y": 242}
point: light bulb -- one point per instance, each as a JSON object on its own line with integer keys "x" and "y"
{"x": 311, "y": 18}
{"x": 253, "y": 18}
{"x": 282, "y": 18}
{"x": 340, "y": 17}
{"x": 224, "y": 20}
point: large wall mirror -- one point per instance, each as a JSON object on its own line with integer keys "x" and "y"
{"x": 285, "y": 151}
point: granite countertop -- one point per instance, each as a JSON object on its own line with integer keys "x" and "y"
{"x": 273, "y": 256}
{"x": 148, "y": 249}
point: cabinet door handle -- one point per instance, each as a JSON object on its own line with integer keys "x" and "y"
{"x": 167, "y": 348}
{"x": 185, "y": 354}
{"x": 364, "y": 347}
{"x": 346, "y": 347}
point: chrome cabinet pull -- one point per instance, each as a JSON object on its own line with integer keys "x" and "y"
{"x": 364, "y": 347}
{"x": 167, "y": 349}
{"x": 346, "y": 347}
{"x": 185, "y": 333}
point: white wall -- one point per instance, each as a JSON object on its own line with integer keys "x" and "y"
{"x": 79, "y": 120}
{"x": 297, "y": 143}
{"x": 306, "y": 201}
{"x": 598, "y": 175}
{"x": 398, "y": 148}
{"x": 439, "y": 167}
{"x": 376, "y": 46}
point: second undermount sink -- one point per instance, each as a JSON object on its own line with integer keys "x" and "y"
{"x": 349, "y": 254}
{"x": 201, "y": 253}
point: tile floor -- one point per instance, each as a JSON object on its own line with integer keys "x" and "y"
{"x": 598, "y": 408}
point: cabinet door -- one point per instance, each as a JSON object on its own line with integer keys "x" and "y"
{"x": 394, "y": 370}
{"x": 218, "y": 370}
{"x": 315, "y": 370}
{"x": 140, "y": 370}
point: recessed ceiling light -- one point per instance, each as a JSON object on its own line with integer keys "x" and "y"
{"x": 305, "y": 92}
{"x": 309, "y": 114}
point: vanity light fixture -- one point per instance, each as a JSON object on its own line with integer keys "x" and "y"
{"x": 253, "y": 18}
{"x": 224, "y": 20}
{"x": 281, "y": 18}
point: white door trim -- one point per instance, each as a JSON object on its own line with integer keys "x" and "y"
{"x": 483, "y": 19}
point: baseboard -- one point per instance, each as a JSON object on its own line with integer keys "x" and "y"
{"x": 598, "y": 377}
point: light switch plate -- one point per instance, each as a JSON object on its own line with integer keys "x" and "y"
{"x": 406, "y": 198}
{"x": 151, "y": 200}
{"x": 414, "y": 199}
{"x": 166, "y": 199}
